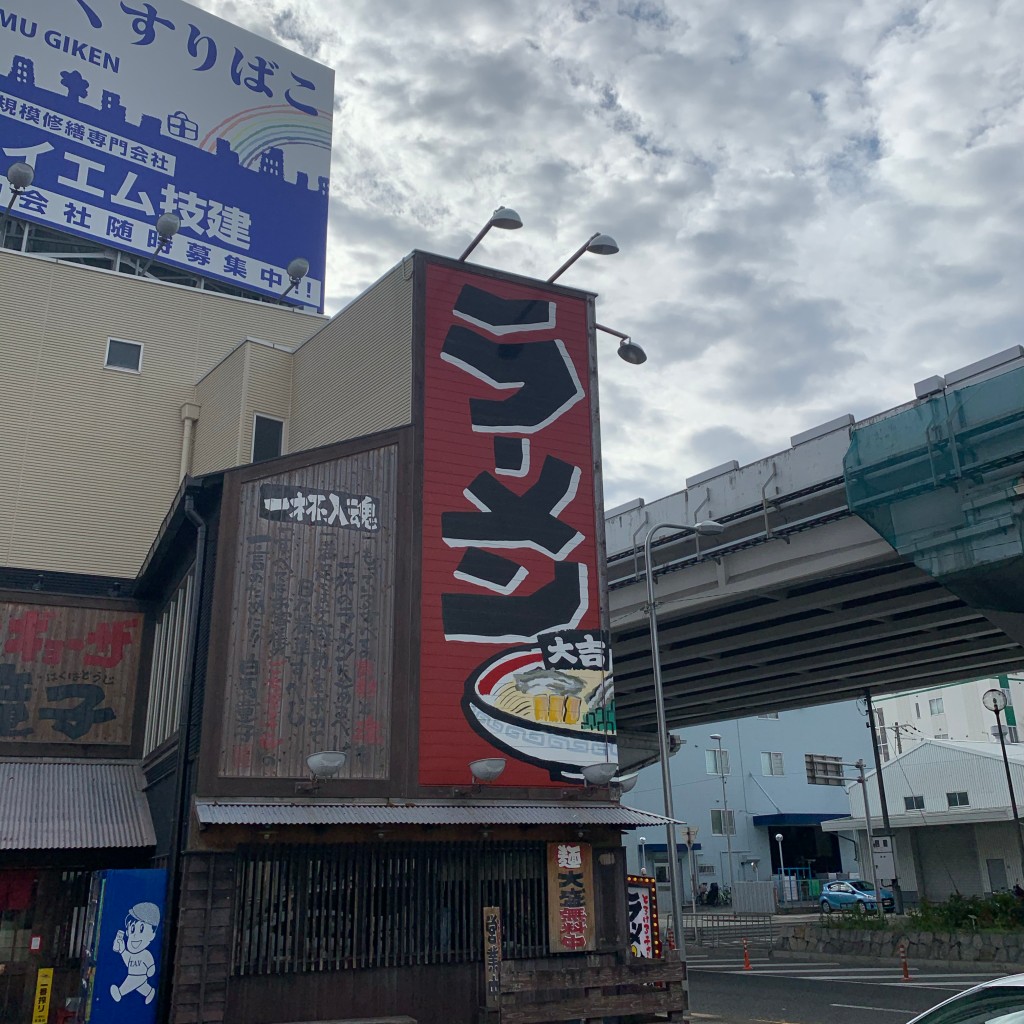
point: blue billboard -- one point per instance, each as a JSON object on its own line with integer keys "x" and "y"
{"x": 123, "y": 956}
{"x": 127, "y": 110}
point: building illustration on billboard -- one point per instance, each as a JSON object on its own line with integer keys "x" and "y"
{"x": 128, "y": 110}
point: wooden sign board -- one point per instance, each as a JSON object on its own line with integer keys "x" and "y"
{"x": 67, "y": 675}
{"x": 571, "y": 917}
{"x": 492, "y": 956}
{"x": 310, "y": 648}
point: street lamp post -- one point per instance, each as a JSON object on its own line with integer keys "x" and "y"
{"x": 675, "y": 889}
{"x": 995, "y": 701}
{"x": 725, "y": 808}
{"x": 782, "y": 871}
{"x": 643, "y": 855}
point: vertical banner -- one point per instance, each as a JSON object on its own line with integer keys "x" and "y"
{"x": 127, "y": 971}
{"x": 514, "y": 659}
{"x": 41, "y": 1001}
{"x": 571, "y": 916}
{"x": 492, "y": 956}
{"x": 642, "y": 906}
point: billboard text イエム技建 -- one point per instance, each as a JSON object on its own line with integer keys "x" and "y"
{"x": 128, "y": 109}
{"x": 514, "y": 659}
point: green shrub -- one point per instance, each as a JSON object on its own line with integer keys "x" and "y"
{"x": 1001, "y": 911}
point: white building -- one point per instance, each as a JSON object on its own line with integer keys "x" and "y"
{"x": 949, "y": 809}
{"x": 950, "y": 712}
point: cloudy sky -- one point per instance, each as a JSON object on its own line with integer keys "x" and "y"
{"x": 818, "y": 202}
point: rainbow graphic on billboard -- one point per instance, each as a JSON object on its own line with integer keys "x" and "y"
{"x": 251, "y": 132}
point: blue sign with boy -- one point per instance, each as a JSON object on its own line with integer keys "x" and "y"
{"x": 127, "y": 946}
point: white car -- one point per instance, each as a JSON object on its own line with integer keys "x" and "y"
{"x": 1000, "y": 1001}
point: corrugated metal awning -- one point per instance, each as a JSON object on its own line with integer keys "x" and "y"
{"x": 323, "y": 812}
{"x": 61, "y": 804}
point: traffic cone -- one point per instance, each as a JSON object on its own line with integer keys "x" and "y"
{"x": 746, "y": 957}
{"x": 903, "y": 961}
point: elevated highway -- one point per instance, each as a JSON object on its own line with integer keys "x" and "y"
{"x": 801, "y": 601}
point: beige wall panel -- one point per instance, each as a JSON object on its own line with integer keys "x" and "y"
{"x": 219, "y": 396}
{"x": 268, "y": 391}
{"x": 354, "y": 377}
{"x": 94, "y": 454}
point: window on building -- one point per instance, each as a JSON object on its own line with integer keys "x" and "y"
{"x": 942, "y": 735}
{"x": 917, "y": 710}
{"x": 1012, "y": 735}
{"x": 722, "y": 820}
{"x": 935, "y": 706}
{"x": 913, "y": 803}
{"x": 124, "y": 355}
{"x": 267, "y": 438}
{"x": 824, "y": 769}
{"x": 716, "y": 762}
{"x": 958, "y": 799}
{"x": 771, "y": 763}
{"x": 770, "y": 714}
{"x": 167, "y": 673}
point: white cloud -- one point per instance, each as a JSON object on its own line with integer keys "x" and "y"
{"x": 817, "y": 203}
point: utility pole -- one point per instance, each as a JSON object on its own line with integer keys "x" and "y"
{"x": 897, "y": 893}
{"x": 871, "y": 846}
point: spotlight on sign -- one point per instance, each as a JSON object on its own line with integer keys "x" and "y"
{"x": 597, "y": 243}
{"x": 629, "y": 350}
{"x": 503, "y": 217}
{"x": 297, "y": 270}
{"x": 167, "y": 225}
{"x": 19, "y": 176}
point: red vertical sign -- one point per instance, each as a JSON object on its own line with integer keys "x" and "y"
{"x": 513, "y": 660}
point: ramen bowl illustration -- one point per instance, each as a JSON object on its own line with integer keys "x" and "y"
{"x": 561, "y": 720}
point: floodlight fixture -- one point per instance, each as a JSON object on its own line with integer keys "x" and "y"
{"x": 167, "y": 226}
{"x": 322, "y": 765}
{"x": 598, "y": 243}
{"x": 296, "y": 271}
{"x": 19, "y": 177}
{"x": 503, "y": 217}
{"x": 600, "y": 774}
{"x": 629, "y": 350}
{"x": 487, "y": 769}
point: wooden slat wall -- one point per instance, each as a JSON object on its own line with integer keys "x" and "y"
{"x": 310, "y": 646}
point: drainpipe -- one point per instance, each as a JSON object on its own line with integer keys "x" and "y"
{"x": 182, "y": 794}
{"x": 189, "y": 416}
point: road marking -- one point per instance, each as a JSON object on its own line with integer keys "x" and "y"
{"x": 856, "y": 1006}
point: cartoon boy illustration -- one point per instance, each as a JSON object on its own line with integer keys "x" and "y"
{"x": 139, "y": 931}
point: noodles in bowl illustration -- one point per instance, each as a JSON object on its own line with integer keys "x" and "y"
{"x": 559, "y": 719}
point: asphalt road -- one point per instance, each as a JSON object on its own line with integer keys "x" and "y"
{"x": 818, "y": 992}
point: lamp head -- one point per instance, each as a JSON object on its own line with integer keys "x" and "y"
{"x": 709, "y": 528}
{"x": 325, "y": 764}
{"x": 716, "y": 736}
{"x": 487, "y": 769}
{"x": 603, "y": 245}
{"x": 626, "y": 782}
{"x": 297, "y": 269}
{"x": 631, "y": 352}
{"x": 600, "y": 774}
{"x": 20, "y": 175}
{"x": 504, "y": 217}
{"x": 778, "y": 837}
{"x": 167, "y": 225}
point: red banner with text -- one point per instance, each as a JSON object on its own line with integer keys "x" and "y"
{"x": 513, "y": 661}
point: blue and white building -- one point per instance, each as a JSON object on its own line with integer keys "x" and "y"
{"x": 783, "y": 775}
